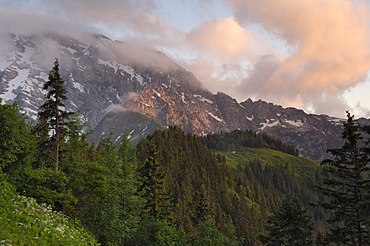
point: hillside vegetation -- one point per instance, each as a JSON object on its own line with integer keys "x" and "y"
{"x": 171, "y": 184}
{"x": 304, "y": 169}
{"x": 24, "y": 222}
{"x": 173, "y": 188}
{"x": 192, "y": 192}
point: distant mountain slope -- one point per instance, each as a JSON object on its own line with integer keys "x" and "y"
{"x": 201, "y": 112}
{"x": 98, "y": 72}
{"x": 135, "y": 125}
{"x": 101, "y": 74}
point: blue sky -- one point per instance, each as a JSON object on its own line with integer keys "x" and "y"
{"x": 309, "y": 54}
{"x": 187, "y": 15}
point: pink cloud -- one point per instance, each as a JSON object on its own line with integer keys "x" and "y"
{"x": 223, "y": 38}
{"x": 331, "y": 49}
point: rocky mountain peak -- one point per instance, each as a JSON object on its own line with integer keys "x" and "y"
{"x": 123, "y": 87}
{"x": 97, "y": 71}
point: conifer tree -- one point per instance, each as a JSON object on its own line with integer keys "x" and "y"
{"x": 288, "y": 225}
{"x": 53, "y": 118}
{"x": 202, "y": 209}
{"x": 17, "y": 145}
{"x": 347, "y": 189}
{"x": 153, "y": 189}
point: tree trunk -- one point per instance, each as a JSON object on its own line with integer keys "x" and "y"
{"x": 56, "y": 153}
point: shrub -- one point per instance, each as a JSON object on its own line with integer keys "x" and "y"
{"x": 24, "y": 222}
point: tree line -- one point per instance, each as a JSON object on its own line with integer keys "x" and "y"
{"x": 171, "y": 189}
{"x": 235, "y": 139}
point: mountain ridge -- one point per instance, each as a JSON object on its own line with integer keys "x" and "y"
{"x": 102, "y": 74}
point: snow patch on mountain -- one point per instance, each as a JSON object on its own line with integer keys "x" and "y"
{"x": 183, "y": 98}
{"x": 203, "y": 99}
{"x": 77, "y": 85}
{"x": 116, "y": 66}
{"x": 298, "y": 123}
{"x": 85, "y": 51}
{"x": 70, "y": 50}
{"x": 42, "y": 77}
{"x": 157, "y": 93}
{"x": 17, "y": 83}
{"x": 336, "y": 121}
{"x": 80, "y": 67}
{"x": 215, "y": 117}
{"x": 26, "y": 55}
{"x": 269, "y": 124}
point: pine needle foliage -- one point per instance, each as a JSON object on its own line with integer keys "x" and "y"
{"x": 288, "y": 225}
{"x": 53, "y": 118}
{"x": 347, "y": 188}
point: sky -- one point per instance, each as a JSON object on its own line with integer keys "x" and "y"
{"x": 309, "y": 54}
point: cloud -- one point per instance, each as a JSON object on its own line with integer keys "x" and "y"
{"x": 120, "y": 107}
{"x": 327, "y": 43}
{"x": 222, "y": 38}
{"x": 21, "y": 21}
{"x": 220, "y": 49}
{"x": 116, "y": 108}
{"x": 331, "y": 49}
{"x": 135, "y": 21}
{"x": 138, "y": 15}
{"x": 125, "y": 16}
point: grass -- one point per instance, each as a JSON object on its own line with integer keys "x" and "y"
{"x": 24, "y": 222}
{"x": 303, "y": 168}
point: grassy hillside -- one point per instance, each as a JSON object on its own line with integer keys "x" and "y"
{"x": 278, "y": 173}
{"x": 304, "y": 169}
{"x": 25, "y": 222}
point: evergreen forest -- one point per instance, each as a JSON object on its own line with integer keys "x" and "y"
{"x": 174, "y": 188}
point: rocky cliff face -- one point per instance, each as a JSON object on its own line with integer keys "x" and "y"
{"x": 113, "y": 83}
{"x": 202, "y": 113}
{"x": 311, "y": 134}
{"x": 177, "y": 98}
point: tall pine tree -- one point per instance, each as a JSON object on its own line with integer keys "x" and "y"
{"x": 53, "y": 117}
{"x": 158, "y": 203}
{"x": 347, "y": 189}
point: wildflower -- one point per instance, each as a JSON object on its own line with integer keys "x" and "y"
{"x": 59, "y": 228}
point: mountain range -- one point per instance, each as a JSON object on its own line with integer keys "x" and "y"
{"x": 122, "y": 87}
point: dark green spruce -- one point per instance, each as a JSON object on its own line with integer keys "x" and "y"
{"x": 347, "y": 189}
{"x": 153, "y": 190}
{"x": 17, "y": 144}
{"x": 289, "y": 225}
{"x": 53, "y": 118}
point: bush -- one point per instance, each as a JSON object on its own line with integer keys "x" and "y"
{"x": 24, "y": 222}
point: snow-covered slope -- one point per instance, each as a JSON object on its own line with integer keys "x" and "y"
{"x": 98, "y": 72}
